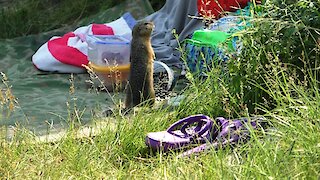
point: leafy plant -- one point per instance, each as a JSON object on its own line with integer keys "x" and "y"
{"x": 282, "y": 39}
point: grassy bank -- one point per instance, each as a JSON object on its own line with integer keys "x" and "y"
{"x": 24, "y": 17}
{"x": 290, "y": 149}
{"x": 276, "y": 76}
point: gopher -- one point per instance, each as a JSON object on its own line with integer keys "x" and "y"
{"x": 140, "y": 86}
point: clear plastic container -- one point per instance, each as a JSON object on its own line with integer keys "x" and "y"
{"x": 108, "y": 50}
{"x": 109, "y": 58}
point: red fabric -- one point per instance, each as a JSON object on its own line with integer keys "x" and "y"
{"x": 68, "y": 55}
{"x": 101, "y": 29}
{"x": 213, "y": 8}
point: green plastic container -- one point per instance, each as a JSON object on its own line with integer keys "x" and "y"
{"x": 211, "y": 38}
{"x": 204, "y": 49}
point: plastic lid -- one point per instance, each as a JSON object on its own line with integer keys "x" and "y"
{"x": 107, "y": 39}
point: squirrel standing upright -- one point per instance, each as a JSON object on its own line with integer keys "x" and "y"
{"x": 140, "y": 88}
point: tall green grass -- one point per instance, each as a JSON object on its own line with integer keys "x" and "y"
{"x": 35, "y": 16}
{"x": 265, "y": 79}
{"x": 24, "y": 17}
{"x": 290, "y": 149}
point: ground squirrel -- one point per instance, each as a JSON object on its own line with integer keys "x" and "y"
{"x": 140, "y": 87}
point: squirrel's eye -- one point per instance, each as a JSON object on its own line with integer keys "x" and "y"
{"x": 146, "y": 23}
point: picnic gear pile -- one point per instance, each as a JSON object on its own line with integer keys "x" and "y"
{"x": 104, "y": 44}
{"x": 68, "y": 54}
{"x": 204, "y": 133}
{"x": 216, "y": 43}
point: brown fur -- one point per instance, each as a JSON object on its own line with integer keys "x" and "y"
{"x": 140, "y": 87}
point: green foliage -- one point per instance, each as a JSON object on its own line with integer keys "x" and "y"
{"x": 26, "y": 17}
{"x": 282, "y": 42}
{"x": 35, "y": 16}
{"x": 288, "y": 150}
{"x": 297, "y": 29}
{"x": 157, "y": 4}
